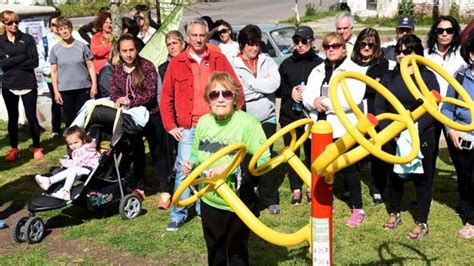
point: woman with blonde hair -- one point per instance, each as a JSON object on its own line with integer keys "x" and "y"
{"x": 143, "y": 19}
{"x": 316, "y": 99}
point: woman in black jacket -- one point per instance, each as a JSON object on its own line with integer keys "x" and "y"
{"x": 18, "y": 59}
{"x": 294, "y": 72}
{"x": 368, "y": 52}
{"x": 428, "y": 131}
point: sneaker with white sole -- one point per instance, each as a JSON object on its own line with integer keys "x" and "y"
{"x": 467, "y": 231}
{"x": 43, "y": 181}
{"x": 62, "y": 194}
{"x": 274, "y": 209}
{"x": 173, "y": 226}
{"x": 296, "y": 197}
{"x": 356, "y": 218}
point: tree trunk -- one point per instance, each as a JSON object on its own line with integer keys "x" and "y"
{"x": 158, "y": 13}
{"x": 116, "y": 17}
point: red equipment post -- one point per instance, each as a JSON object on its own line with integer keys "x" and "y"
{"x": 321, "y": 200}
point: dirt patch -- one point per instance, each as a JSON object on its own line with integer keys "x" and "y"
{"x": 70, "y": 250}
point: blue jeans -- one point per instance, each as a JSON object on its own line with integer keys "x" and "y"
{"x": 179, "y": 214}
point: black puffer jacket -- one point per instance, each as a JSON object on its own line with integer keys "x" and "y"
{"x": 18, "y": 61}
{"x": 293, "y": 71}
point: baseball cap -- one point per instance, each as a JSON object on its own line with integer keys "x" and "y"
{"x": 406, "y": 22}
{"x": 304, "y": 32}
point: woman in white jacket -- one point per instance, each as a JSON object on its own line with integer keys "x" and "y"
{"x": 259, "y": 76}
{"x": 316, "y": 99}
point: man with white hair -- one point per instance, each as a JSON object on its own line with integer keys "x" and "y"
{"x": 182, "y": 102}
{"x": 344, "y": 26}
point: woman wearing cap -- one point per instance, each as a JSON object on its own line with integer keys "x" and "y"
{"x": 423, "y": 175}
{"x": 225, "y": 234}
{"x": 367, "y": 52}
{"x": 259, "y": 76}
{"x": 444, "y": 40}
{"x": 18, "y": 59}
{"x": 294, "y": 72}
{"x": 316, "y": 99}
{"x": 460, "y": 144}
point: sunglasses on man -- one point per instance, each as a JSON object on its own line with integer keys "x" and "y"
{"x": 303, "y": 41}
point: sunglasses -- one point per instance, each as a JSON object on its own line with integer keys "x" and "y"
{"x": 223, "y": 31}
{"x": 139, "y": 17}
{"x": 367, "y": 44}
{"x": 333, "y": 46}
{"x": 227, "y": 94}
{"x": 296, "y": 41}
{"x": 440, "y": 31}
{"x": 54, "y": 25}
{"x": 406, "y": 51}
{"x": 9, "y": 23}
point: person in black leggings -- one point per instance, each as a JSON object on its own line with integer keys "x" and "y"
{"x": 18, "y": 59}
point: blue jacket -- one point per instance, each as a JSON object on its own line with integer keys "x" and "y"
{"x": 457, "y": 113}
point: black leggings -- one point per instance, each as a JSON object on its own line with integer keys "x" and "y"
{"x": 226, "y": 237}
{"x": 295, "y": 181}
{"x": 159, "y": 143}
{"x": 267, "y": 186}
{"x": 73, "y": 100}
{"x": 55, "y": 112}
{"x": 29, "y": 103}
{"x": 423, "y": 182}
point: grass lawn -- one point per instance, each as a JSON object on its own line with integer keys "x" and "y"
{"x": 79, "y": 236}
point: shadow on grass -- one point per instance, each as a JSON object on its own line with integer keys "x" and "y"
{"x": 388, "y": 255}
{"x": 265, "y": 253}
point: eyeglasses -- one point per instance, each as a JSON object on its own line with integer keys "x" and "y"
{"x": 9, "y": 23}
{"x": 449, "y": 31}
{"x": 139, "y": 17}
{"x": 333, "y": 46}
{"x": 367, "y": 44}
{"x": 296, "y": 41}
{"x": 54, "y": 25}
{"x": 406, "y": 51}
{"x": 227, "y": 94}
{"x": 223, "y": 31}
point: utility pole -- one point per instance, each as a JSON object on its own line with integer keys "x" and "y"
{"x": 158, "y": 13}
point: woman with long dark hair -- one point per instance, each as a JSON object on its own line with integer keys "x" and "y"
{"x": 134, "y": 84}
{"x": 368, "y": 52}
{"x": 444, "y": 40}
{"x": 428, "y": 129}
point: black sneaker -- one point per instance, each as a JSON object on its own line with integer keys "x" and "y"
{"x": 296, "y": 197}
{"x": 377, "y": 199}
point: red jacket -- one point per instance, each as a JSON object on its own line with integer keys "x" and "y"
{"x": 177, "y": 96}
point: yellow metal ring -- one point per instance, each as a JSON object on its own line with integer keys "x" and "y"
{"x": 193, "y": 180}
{"x": 286, "y": 153}
{"x": 429, "y": 100}
{"x": 374, "y": 145}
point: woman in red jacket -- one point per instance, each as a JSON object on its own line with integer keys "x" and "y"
{"x": 101, "y": 43}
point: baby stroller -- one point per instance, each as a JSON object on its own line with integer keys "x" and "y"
{"x": 109, "y": 183}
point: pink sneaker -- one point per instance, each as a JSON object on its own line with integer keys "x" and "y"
{"x": 356, "y": 218}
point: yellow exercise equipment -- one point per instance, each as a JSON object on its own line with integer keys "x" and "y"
{"x": 339, "y": 154}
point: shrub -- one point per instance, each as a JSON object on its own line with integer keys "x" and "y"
{"x": 405, "y": 8}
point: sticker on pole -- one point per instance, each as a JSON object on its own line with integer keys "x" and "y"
{"x": 321, "y": 244}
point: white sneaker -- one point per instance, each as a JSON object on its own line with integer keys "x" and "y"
{"x": 43, "y": 182}
{"x": 62, "y": 194}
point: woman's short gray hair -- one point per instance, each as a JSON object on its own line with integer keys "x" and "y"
{"x": 196, "y": 21}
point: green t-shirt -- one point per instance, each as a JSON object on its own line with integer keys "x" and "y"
{"x": 212, "y": 135}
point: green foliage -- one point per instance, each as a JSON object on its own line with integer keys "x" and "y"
{"x": 454, "y": 10}
{"x": 406, "y": 8}
{"x": 75, "y": 9}
{"x": 310, "y": 10}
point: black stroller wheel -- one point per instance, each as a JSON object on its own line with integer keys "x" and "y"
{"x": 130, "y": 206}
{"x": 19, "y": 229}
{"x": 34, "y": 230}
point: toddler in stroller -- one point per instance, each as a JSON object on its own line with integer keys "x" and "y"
{"x": 83, "y": 158}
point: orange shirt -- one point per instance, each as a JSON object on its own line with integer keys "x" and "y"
{"x": 201, "y": 74}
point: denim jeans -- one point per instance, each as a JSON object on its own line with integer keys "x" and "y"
{"x": 179, "y": 214}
